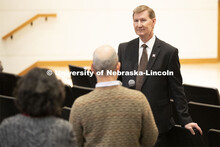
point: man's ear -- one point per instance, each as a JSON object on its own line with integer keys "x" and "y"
{"x": 92, "y": 68}
{"x": 118, "y": 66}
{"x": 154, "y": 21}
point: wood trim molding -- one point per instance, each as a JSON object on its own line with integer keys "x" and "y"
{"x": 64, "y": 63}
{"x": 199, "y": 61}
{"x": 89, "y": 63}
{"x": 27, "y": 23}
{"x": 27, "y": 69}
{"x": 56, "y": 64}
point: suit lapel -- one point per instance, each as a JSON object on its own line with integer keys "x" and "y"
{"x": 131, "y": 63}
{"x": 154, "y": 54}
{"x": 133, "y": 50}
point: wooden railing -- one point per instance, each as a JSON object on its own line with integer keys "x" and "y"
{"x": 30, "y": 21}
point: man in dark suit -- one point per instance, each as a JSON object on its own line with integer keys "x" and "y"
{"x": 162, "y": 59}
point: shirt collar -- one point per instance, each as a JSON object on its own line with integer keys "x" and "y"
{"x": 107, "y": 84}
{"x": 150, "y": 42}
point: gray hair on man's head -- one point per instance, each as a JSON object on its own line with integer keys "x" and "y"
{"x": 105, "y": 58}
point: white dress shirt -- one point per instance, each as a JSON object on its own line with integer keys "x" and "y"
{"x": 149, "y": 48}
{"x": 107, "y": 84}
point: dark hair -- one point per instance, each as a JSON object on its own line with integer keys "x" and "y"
{"x": 39, "y": 93}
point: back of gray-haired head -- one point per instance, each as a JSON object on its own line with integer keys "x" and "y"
{"x": 105, "y": 58}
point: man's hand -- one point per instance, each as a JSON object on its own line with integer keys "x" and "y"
{"x": 192, "y": 125}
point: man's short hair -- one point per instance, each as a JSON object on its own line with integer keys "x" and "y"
{"x": 105, "y": 63}
{"x": 142, "y": 8}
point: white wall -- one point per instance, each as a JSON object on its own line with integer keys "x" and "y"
{"x": 81, "y": 26}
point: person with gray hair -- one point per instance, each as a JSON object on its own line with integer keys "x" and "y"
{"x": 105, "y": 60}
{"x": 104, "y": 116}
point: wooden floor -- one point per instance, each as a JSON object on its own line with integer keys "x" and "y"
{"x": 196, "y": 74}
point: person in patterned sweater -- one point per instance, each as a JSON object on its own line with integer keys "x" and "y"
{"x": 112, "y": 115}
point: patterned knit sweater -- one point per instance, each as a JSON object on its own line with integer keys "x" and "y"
{"x": 113, "y": 117}
{"x": 23, "y": 131}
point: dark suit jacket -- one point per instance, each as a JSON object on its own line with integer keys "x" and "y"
{"x": 158, "y": 89}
